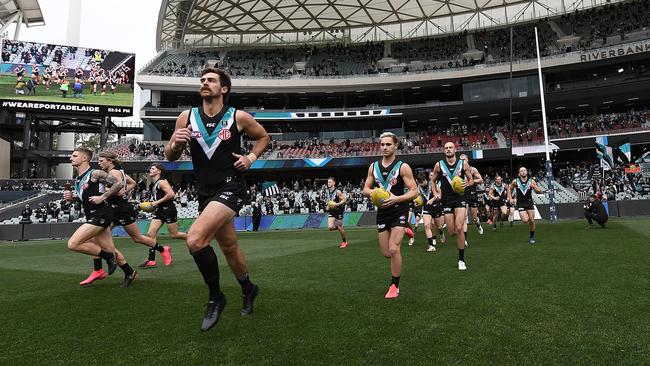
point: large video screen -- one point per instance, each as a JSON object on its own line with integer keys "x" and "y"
{"x": 41, "y": 77}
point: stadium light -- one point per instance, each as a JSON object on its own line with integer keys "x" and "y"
{"x": 549, "y": 164}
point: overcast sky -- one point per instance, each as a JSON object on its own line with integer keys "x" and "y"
{"x": 117, "y": 25}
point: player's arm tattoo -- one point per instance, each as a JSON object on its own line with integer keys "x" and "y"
{"x": 478, "y": 178}
{"x": 113, "y": 184}
{"x": 469, "y": 181}
{"x": 342, "y": 198}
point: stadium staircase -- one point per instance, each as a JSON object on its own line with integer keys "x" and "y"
{"x": 501, "y": 140}
{"x": 557, "y": 29}
{"x": 114, "y": 60}
{"x": 562, "y": 194}
{"x": 79, "y": 59}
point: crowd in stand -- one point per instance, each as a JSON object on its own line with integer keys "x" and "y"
{"x": 196, "y": 60}
{"x": 495, "y": 43}
{"x": 33, "y": 185}
{"x": 300, "y": 196}
{"x": 588, "y": 178}
{"x": 592, "y": 28}
{"x": 306, "y": 196}
{"x": 567, "y": 127}
{"x": 265, "y": 63}
{"x": 58, "y": 210}
{"x": 597, "y": 25}
{"x": 476, "y": 136}
{"x": 532, "y": 132}
{"x": 342, "y": 59}
{"x": 466, "y": 137}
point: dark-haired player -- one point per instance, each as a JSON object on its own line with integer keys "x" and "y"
{"x": 525, "y": 185}
{"x": 214, "y": 133}
{"x": 395, "y": 177}
{"x": 103, "y": 80}
{"x": 453, "y": 204}
{"x": 20, "y": 72}
{"x": 498, "y": 194}
{"x": 92, "y": 79}
{"x": 36, "y": 74}
{"x": 114, "y": 81}
{"x": 47, "y": 78}
{"x": 427, "y": 211}
{"x": 437, "y": 214}
{"x": 471, "y": 198}
{"x": 162, "y": 198}
{"x": 336, "y": 210}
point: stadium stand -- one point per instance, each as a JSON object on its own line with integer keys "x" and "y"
{"x": 606, "y": 25}
{"x": 580, "y": 30}
{"x": 467, "y": 135}
{"x": 496, "y": 43}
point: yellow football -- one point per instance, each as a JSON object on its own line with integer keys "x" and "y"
{"x": 378, "y": 196}
{"x": 457, "y": 185}
{"x": 419, "y": 201}
{"x": 330, "y": 205}
{"x": 147, "y": 207}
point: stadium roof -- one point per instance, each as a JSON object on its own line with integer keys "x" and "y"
{"x": 211, "y": 23}
{"x": 29, "y": 9}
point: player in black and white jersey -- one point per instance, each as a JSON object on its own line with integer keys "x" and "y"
{"x": 525, "y": 185}
{"x": 498, "y": 194}
{"x": 453, "y": 203}
{"x": 36, "y": 74}
{"x": 20, "y": 72}
{"x": 124, "y": 215}
{"x": 92, "y": 80}
{"x": 214, "y": 132}
{"x": 471, "y": 198}
{"x": 427, "y": 210}
{"x": 336, "y": 204}
{"x": 161, "y": 195}
{"x": 93, "y": 187}
{"x": 395, "y": 177}
{"x": 437, "y": 214}
{"x": 114, "y": 81}
{"x": 47, "y": 77}
{"x": 102, "y": 81}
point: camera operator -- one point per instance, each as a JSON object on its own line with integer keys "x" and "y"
{"x": 595, "y": 211}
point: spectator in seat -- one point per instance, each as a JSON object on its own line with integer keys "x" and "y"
{"x": 26, "y": 215}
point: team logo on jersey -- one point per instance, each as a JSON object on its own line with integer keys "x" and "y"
{"x": 84, "y": 186}
{"x": 224, "y": 135}
{"x": 196, "y": 134}
{"x": 210, "y": 141}
{"x": 393, "y": 181}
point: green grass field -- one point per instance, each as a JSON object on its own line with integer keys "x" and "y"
{"x": 577, "y": 297}
{"x": 123, "y": 96}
